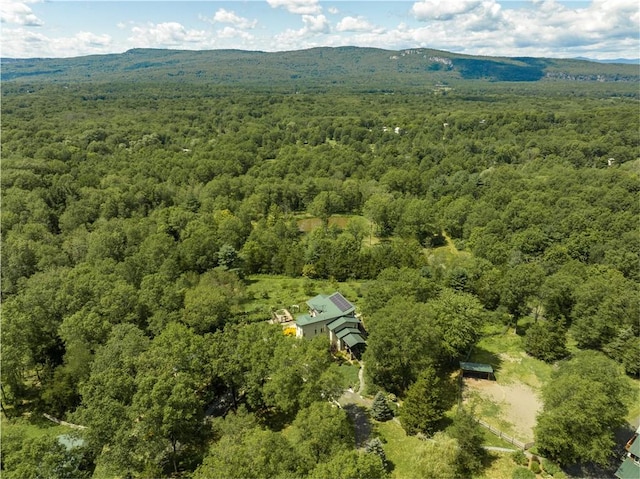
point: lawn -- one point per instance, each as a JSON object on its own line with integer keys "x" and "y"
{"x": 503, "y": 349}
{"x": 349, "y": 373}
{"x": 447, "y": 255}
{"x": 309, "y": 223}
{"x": 398, "y": 447}
{"x": 500, "y": 466}
{"x": 633, "y": 402}
{"x": 31, "y": 427}
{"x": 267, "y": 293}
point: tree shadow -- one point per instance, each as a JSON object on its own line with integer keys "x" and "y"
{"x": 622, "y": 436}
{"x": 273, "y": 419}
{"x": 590, "y": 470}
{"x": 488, "y": 458}
{"x": 444, "y": 422}
{"x": 481, "y": 355}
{"x": 523, "y": 327}
{"x": 389, "y": 465}
{"x": 361, "y": 424}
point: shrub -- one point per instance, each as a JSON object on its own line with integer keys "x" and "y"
{"x": 521, "y": 472}
{"x": 550, "y": 467}
{"x": 535, "y": 467}
{"x": 520, "y": 458}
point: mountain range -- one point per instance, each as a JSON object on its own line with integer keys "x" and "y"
{"x": 326, "y": 66}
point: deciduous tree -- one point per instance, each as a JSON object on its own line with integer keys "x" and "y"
{"x": 583, "y": 405}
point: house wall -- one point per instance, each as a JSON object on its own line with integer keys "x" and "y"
{"x": 310, "y": 331}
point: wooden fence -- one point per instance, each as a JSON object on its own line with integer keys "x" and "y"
{"x": 505, "y": 437}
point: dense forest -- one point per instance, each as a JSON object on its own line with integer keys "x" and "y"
{"x": 136, "y": 215}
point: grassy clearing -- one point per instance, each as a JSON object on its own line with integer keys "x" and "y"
{"x": 398, "y": 447}
{"x": 308, "y": 223}
{"x": 349, "y": 374}
{"x": 31, "y": 427}
{"x": 400, "y": 450}
{"x": 633, "y": 401}
{"x": 502, "y": 348}
{"x": 500, "y": 466}
{"x": 446, "y": 256}
{"x": 267, "y": 293}
{"x": 493, "y": 440}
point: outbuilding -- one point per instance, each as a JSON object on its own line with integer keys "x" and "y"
{"x": 477, "y": 370}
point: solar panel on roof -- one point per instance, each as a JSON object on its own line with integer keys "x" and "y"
{"x": 341, "y": 303}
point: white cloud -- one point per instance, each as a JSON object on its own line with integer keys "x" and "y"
{"x": 18, "y": 13}
{"x": 231, "y": 33}
{"x": 356, "y": 24}
{"x": 554, "y": 28}
{"x": 93, "y": 40}
{"x": 230, "y": 17}
{"x": 315, "y": 23}
{"x": 299, "y": 7}
{"x": 313, "y": 34}
{"x": 168, "y": 34}
{"x": 442, "y": 9}
{"x": 23, "y": 43}
{"x": 540, "y": 28}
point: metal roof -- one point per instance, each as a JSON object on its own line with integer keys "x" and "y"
{"x": 634, "y": 448}
{"x": 476, "y": 367}
{"x": 334, "y": 305}
{"x": 352, "y": 339}
{"x": 343, "y": 332}
{"x": 328, "y": 308}
{"x": 628, "y": 469}
{"x": 343, "y": 321}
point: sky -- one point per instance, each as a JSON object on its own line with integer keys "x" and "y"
{"x": 597, "y": 29}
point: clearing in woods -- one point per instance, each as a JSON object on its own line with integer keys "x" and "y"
{"x": 512, "y": 408}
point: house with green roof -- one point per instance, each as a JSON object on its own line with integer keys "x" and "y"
{"x": 333, "y": 316}
{"x": 630, "y": 467}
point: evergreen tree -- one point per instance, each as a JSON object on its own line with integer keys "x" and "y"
{"x": 380, "y": 409}
{"x": 466, "y": 430}
{"x": 424, "y": 404}
{"x": 374, "y": 446}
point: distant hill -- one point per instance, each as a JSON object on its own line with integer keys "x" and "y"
{"x": 630, "y": 61}
{"x": 327, "y": 66}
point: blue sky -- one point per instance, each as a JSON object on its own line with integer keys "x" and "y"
{"x": 600, "y": 29}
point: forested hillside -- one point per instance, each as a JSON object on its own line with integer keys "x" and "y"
{"x": 353, "y": 67}
{"x": 137, "y": 215}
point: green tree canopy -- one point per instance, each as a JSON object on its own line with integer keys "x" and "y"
{"x": 319, "y": 432}
{"x": 583, "y": 405}
{"x": 403, "y": 341}
{"x": 255, "y": 453}
{"x": 425, "y": 403}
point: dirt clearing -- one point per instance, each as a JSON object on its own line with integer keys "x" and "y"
{"x": 511, "y": 408}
